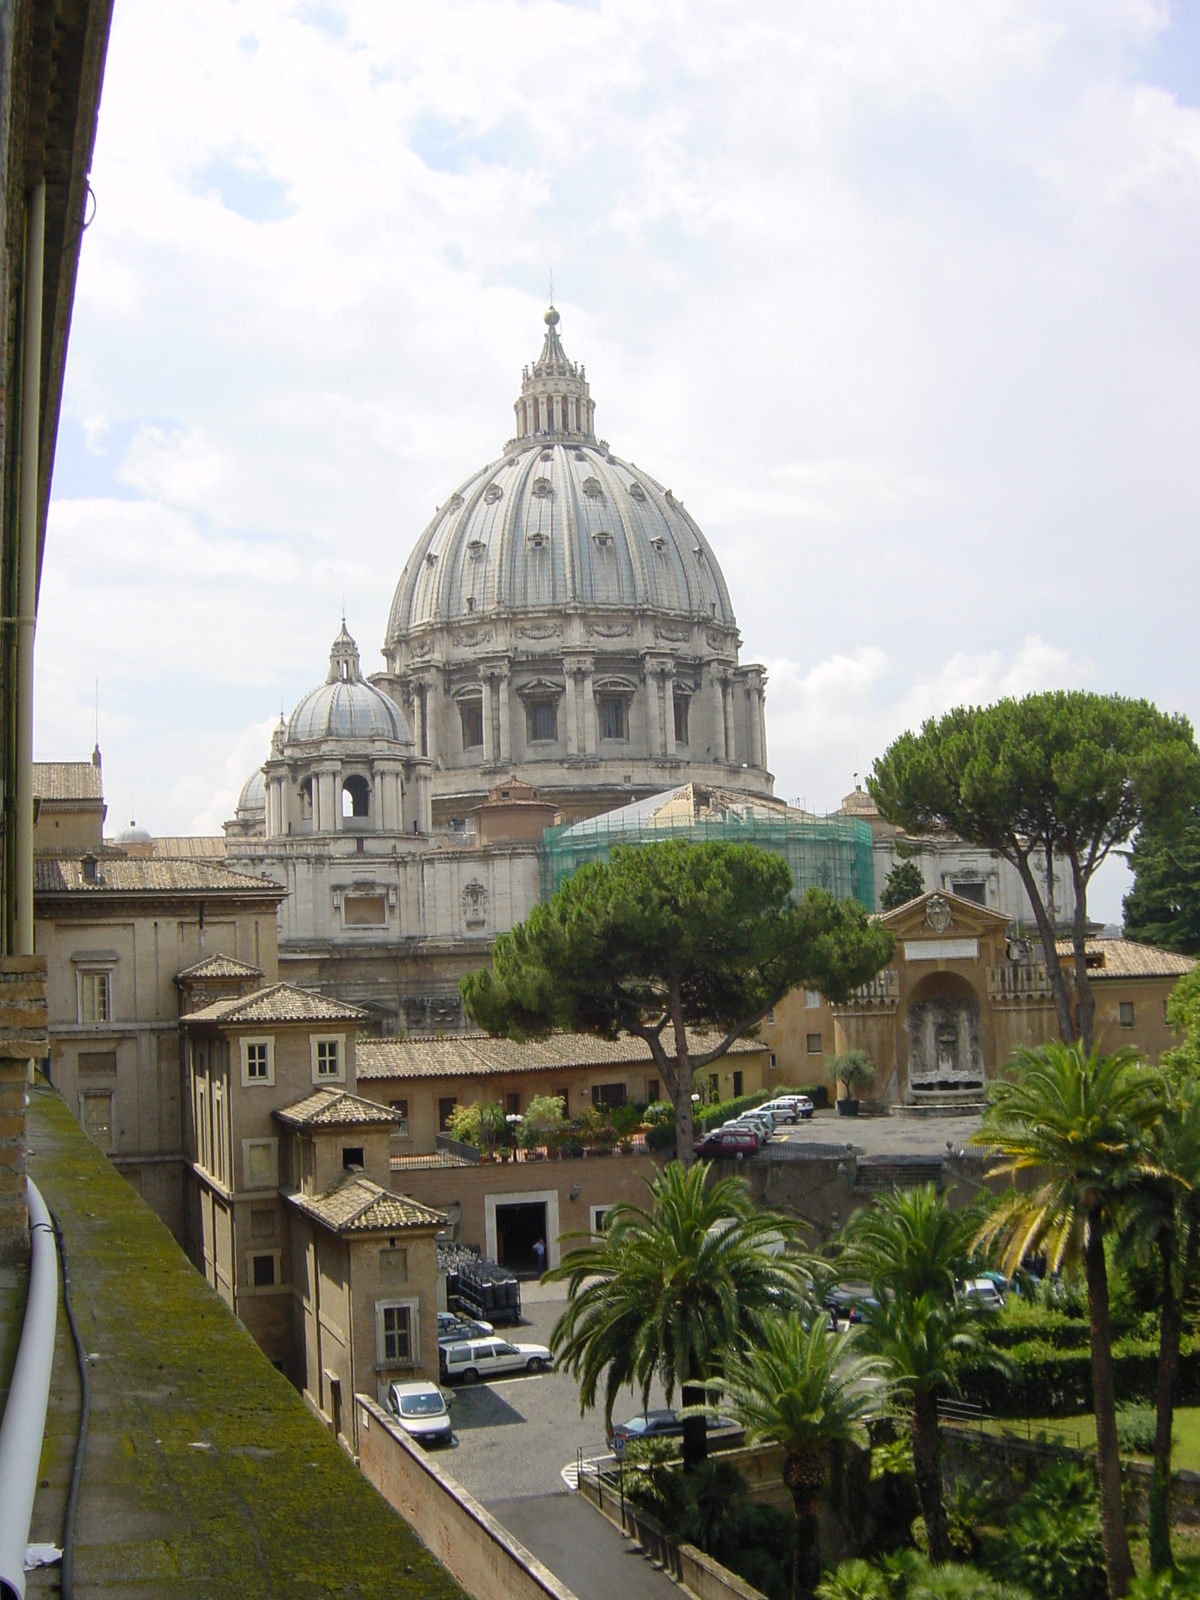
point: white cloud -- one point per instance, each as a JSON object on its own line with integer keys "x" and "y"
{"x": 899, "y": 299}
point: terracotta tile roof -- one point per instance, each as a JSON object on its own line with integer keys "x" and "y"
{"x": 67, "y": 780}
{"x": 281, "y": 1002}
{"x": 335, "y": 1108}
{"x": 197, "y": 847}
{"x": 120, "y": 875}
{"x": 1125, "y": 958}
{"x": 478, "y": 1055}
{"x": 219, "y": 967}
{"x": 354, "y": 1204}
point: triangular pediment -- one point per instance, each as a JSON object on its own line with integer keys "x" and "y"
{"x": 938, "y": 914}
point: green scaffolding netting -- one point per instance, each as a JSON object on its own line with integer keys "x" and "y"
{"x": 832, "y": 853}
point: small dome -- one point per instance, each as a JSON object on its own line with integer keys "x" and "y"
{"x": 254, "y": 792}
{"x": 346, "y": 706}
{"x": 135, "y": 835}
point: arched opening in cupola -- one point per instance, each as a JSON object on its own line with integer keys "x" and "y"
{"x": 356, "y": 796}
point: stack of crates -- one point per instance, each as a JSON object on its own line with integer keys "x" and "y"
{"x": 488, "y": 1291}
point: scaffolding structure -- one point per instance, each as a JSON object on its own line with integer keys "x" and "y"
{"x": 833, "y": 853}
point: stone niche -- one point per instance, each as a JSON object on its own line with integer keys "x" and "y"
{"x": 944, "y": 1048}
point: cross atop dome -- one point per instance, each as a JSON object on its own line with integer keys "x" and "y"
{"x": 555, "y": 400}
{"x": 343, "y": 659}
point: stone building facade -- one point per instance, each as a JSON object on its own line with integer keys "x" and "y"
{"x": 960, "y": 995}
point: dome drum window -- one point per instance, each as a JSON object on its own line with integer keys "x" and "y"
{"x": 541, "y": 710}
{"x": 659, "y": 544}
{"x": 681, "y": 718}
{"x": 537, "y": 541}
{"x": 492, "y": 493}
{"x": 470, "y": 711}
{"x": 637, "y": 492}
{"x": 592, "y": 488}
{"x": 542, "y": 489}
{"x": 477, "y": 548}
{"x": 614, "y": 698}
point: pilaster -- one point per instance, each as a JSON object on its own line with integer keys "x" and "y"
{"x": 24, "y": 1038}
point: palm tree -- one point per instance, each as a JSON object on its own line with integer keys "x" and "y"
{"x": 1162, "y": 1214}
{"x": 666, "y": 1290}
{"x": 912, "y": 1248}
{"x": 1076, "y": 1122}
{"x": 806, "y": 1390}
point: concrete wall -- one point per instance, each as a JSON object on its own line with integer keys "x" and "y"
{"x": 469, "y": 1542}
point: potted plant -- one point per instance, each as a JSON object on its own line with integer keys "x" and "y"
{"x": 854, "y": 1070}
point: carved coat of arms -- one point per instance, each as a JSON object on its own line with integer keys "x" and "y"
{"x": 938, "y": 914}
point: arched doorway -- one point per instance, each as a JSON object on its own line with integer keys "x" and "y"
{"x": 945, "y": 1049}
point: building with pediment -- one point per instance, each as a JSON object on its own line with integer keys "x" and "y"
{"x": 961, "y": 993}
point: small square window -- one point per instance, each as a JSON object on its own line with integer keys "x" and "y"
{"x": 812, "y": 999}
{"x": 1126, "y": 1012}
{"x": 352, "y": 1156}
{"x": 328, "y": 1059}
{"x": 259, "y": 1163}
{"x": 258, "y": 1062}
{"x": 814, "y": 1044}
{"x": 264, "y": 1271}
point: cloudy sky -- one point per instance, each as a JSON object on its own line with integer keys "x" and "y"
{"x": 899, "y": 296}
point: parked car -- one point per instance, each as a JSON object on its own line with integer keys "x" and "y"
{"x": 983, "y": 1292}
{"x": 763, "y": 1126}
{"x": 421, "y": 1410}
{"x": 759, "y": 1114}
{"x": 488, "y": 1358}
{"x": 847, "y": 1304}
{"x": 783, "y": 1109}
{"x": 456, "y": 1329}
{"x": 804, "y": 1107}
{"x": 663, "y": 1425}
{"x": 727, "y": 1144}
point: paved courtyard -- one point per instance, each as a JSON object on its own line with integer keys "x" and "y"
{"x": 883, "y": 1136}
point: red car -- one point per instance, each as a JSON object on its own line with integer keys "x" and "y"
{"x": 726, "y": 1144}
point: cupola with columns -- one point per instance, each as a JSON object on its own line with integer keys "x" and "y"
{"x": 554, "y": 400}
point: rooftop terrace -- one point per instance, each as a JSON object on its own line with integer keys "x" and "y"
{"x": 206, "y": 1474}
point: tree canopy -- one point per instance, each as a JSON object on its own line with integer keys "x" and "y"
{"x": 1065, "y": 774}
{"x": 668, "y": 937}
{"x": 1163, "y": 907}
{"x": 904, "y": 883}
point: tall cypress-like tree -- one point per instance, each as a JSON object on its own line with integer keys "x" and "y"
{"x": 1163, "y": 907}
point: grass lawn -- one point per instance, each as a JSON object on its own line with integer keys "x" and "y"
{"x": 1081, "y": 1433}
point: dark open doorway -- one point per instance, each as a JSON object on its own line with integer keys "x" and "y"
{"x": 518, "y": 1228}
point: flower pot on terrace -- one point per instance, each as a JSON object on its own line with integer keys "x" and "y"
{"x": 847, "y": 1107}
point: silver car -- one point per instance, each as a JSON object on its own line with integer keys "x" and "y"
{"x": 421, "y": 1410}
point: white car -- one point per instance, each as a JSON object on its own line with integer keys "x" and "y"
{"x": 421, "y": 1410}
{"x": 783, "y": 1110}
{"x": 761, "y": 1119}
{"x": 982, "y": 1292}
{"x": 488, "y": 1358}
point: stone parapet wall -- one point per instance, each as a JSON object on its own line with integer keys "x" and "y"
{"x": 24, "y": 1037}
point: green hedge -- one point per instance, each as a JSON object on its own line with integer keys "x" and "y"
{"x": 1046, "y": 1380}
{"x": 1049, "y": 1328}
{"x": 707, "y": 1117}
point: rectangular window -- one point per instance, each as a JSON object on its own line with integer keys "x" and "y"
{"x": 543, "y": 721}
{"x": 103, "y": 1063}
{"x": 352, "y": 1156}
{"x": 471, "y": 712}
{"x": 513, "y": 1105}
{"x": 220, "y": 1171}
{"x": 95, "y": 998}
{"x": 400, "y": 1107}
{"x": 608, "y": 1094}
{"x": 652, "y": 1094}
{"x": 814, "y": 1044}
{"x": 1126, "y": 1010}
{"x": 364, "y": 911}
{"x": 264, "y": 1271}
{"x": 599, "y": 1219}
{"x": 445, "y": 1112}
{"x": 95, "y": 1112}
{"x": 681, "y": 719}
{"x": 258, "y": 1062}
{"x": 737, "y": 1085}
{"x": 328, "y": 1064}
{"x": 395, "y": 1333}
{"x": 613, "y": 721}
{"x": 971, "y": 891}
{"x": 812, "y": 999}
{"x": 565, "y": 1096}
{"x": 773, "y": 1062}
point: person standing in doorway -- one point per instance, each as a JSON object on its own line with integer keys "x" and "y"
{"x": 539, "y": 1255}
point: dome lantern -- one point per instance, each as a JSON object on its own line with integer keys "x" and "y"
{"x": 555, "y": 400}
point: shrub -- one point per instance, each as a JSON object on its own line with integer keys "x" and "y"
{"x": 1136, "y": 1428}
{"x": 909, "y": 1576}
{"x": 1052, "y": 1543}
{"x": 1047, "y": 1381}
{"x": 854, "y": 1069}
{"x": 713, "y": 1116}
{"x": 1181, "y": 1584}
{"x": 660, "y": 1136}
{"x": 855, "y": 1580}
